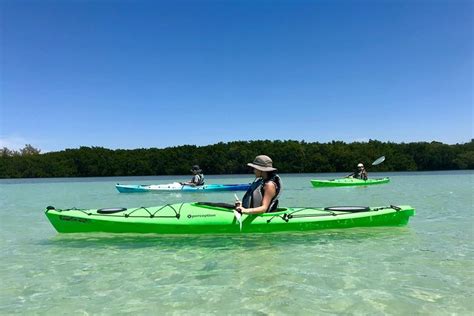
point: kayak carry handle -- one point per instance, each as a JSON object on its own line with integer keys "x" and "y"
{"x": 223, "y": 205}
{"x": 350, "y": 209}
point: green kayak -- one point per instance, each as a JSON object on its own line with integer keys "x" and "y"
{"x": 347, "y": 182}
{"x": 210, "y": 218}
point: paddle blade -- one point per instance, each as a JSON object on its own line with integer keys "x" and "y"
{"x": 378, "y": 161}
{"x": 238, "y": 216}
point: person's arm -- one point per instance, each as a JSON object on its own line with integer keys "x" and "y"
{"x": 270, "y": 193}
{"x": 191, "y": 183}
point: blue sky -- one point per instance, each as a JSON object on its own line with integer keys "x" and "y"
{"x": 132, "y": 74}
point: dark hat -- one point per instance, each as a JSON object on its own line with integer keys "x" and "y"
{"x": 196, "y": 168}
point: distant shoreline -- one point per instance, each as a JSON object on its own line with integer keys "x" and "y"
{"x": 214, "y": 176}
{"x": 231, "y": 158}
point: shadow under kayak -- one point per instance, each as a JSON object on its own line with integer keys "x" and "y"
{"x": 347, "y": 182}
{"x": 134, "y": 188}
{"x": 211, "y": 218}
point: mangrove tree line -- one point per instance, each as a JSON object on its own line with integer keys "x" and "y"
{"x": 230, "y": 158}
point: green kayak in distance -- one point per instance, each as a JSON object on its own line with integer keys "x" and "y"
{"x": 347, "y": 182}
{"x": 218, "y": 218}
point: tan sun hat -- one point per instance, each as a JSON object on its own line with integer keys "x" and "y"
{"x": 262, "y": 163}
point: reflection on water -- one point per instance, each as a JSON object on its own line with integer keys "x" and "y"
{"x": 249, "y": 241}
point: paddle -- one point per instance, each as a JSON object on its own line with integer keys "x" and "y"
{"x": 378, "y": 161}
{"x": 237, "y": 215}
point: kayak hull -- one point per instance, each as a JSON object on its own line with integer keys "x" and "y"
{"x": 192, "y": 218}
{"x": 347, "y": 182}
{"x": 132, "y": 188}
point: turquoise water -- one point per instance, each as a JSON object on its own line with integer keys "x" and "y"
{"x": 426, "y": 267}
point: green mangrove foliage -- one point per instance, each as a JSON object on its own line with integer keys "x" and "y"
{"x": 231, "y": 158}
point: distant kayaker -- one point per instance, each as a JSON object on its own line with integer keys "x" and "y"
{"x": 360, "y": 173}
{"x": 262, "y": 196}
{"x": 198, "y": 177}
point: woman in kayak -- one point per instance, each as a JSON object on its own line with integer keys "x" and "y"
{"x": 198, "y": 177}
{"x": 262, "y": 196}
{"x": 361, "y": 173}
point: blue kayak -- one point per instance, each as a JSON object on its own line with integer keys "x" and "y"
{"x": 176, "y": 186}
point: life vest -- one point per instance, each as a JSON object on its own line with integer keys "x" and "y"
{"x": 360, "y": 175}
{"x": 198, "y": 179}
{"x": 254, "y": 195}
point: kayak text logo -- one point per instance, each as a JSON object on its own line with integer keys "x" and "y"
{"x": 73, "y": 219}
{"x": 201, "y": 215}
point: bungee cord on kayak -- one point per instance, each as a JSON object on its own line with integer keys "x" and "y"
{"x": 126, "y": 215}
{"x": 287, "y": 216}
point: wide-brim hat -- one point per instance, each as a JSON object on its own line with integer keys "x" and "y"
{"x": 196, "y": 168}
{"x": 262, "y": 163}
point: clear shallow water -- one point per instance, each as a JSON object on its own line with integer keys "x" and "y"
{"x": 426, "y": 267}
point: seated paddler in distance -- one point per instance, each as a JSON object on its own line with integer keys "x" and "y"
{"x": 262, "y": 196}
{"x": 360, "y": 173}
{"x": 198, "y": 177}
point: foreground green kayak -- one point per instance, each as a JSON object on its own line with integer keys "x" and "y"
{"x": 210, "y": 218}
{"x": 346, "y": 182}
